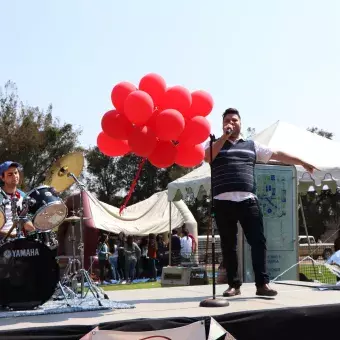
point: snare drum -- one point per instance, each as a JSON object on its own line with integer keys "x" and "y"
{"x": 48, "y": 209}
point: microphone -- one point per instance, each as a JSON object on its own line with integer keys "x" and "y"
{"x": 229, "y": 131}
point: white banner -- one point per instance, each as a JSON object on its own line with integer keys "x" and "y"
{"x": 89, "y": 335}
{"x": 216, "y": 331}
{"x": 193, "y": 331}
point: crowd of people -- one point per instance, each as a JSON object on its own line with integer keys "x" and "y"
{"x": 124, "y": 259}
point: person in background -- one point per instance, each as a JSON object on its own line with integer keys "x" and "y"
{"x": 175, "y": 248}
{"x": 337, "y": 248}
{"x": 152, "y": 255}
{"x": 194, "y": 245}
{"x": 121, "y": 256}
{"x": 144, "y": 258}
{"x": 111, "y": 242}
{"x": 186, "y": 247}
{"x": 103, "y": 256}
{"x": 161, "y": 248}
{"x": 113, "y": 259}
{"x": 132, "y": 255}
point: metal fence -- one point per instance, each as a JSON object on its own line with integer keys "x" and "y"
{"x": 311, "y": 260}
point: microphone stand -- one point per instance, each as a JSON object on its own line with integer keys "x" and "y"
{"x": 213, "y": 302}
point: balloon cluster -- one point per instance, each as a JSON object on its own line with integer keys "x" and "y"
{"x": 165, "y": 125}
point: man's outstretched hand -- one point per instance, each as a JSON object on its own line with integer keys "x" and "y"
{"x": 309, "y": 167}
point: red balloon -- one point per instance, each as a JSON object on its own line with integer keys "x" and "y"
{"x": 119, "y": 94}
{"x": 112, "y": 147}
{"x": 151, "y": 123}
{"x": 116, "y": 125}
{"x": 189, "y": 155}
{"x": 202, "y": 103}
{"x": 138, "y": 107}
{"x": 154, "y": 85}
{"x": 196, "y": 131}
{"x": 178, "y": 98}
{"x": 169, "y": 124}
{"x": 164, "y": 154}
{"x": 142, "y": 141}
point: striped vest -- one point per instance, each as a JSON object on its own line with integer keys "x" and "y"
{"x": 233, "y": 168}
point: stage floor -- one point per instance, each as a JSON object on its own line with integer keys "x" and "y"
{"x": 181, "y": 302}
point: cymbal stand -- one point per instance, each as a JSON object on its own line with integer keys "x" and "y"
{"x": 84, "y": 275}
{"x": 73, "y": 265}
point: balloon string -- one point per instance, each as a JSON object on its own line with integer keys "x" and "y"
{"x": 133, "y": 185}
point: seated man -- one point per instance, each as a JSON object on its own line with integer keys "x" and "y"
{"x": 10, "y": 177}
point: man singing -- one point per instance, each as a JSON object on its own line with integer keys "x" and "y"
{"x": 233, "y": 180}
{"x": 10, "y": 177}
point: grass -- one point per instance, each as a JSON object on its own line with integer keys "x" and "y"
{"x": 141, "y": 285}
{"x": 321, "y": 273}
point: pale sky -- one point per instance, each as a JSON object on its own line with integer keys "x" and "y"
{"x": 273, "y": 60}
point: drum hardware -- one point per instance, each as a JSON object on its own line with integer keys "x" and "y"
{"x": 3, "y": 204}
{"x": 64, "y": 290}
{"x": 61, "y": 176}
{"x": 49, "y": 238}
{"x": 18, "y": 220}
{"x": 75, "y": 219}
{"x": 73, "y": 266}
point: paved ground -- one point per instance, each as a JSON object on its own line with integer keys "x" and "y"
{"x": 180, "y": 301}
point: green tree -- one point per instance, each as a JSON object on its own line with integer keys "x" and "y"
{"x": 321, "y": 132}
{"x": 32, "y": 136}
{"x": 322, "y": 211}
{"x": 111, "y": 177}
{"x": 250, "y": 133}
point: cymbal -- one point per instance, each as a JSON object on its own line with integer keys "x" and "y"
{"x": 57, "y": 176}
{"x": 75, "y": 218}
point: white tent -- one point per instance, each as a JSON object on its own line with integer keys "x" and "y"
{"x": 149, "y": 216}
{"x": 319, "y": 151}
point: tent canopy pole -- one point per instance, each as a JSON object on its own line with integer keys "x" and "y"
{"x": 170, "y": 233}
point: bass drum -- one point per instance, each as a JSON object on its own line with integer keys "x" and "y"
{"x": 29, "y": 274}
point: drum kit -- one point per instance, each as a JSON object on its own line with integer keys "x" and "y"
{"x": 29, "y": 269}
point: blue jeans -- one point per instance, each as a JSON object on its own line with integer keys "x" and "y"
{"x": 114, "y": 264}
{"x": 152, "y": 268}
{"x": 130, "y": 268}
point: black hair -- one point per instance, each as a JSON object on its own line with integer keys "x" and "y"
{"x": 337, "y": 244}
{"x": 186, "y": 233}
{"x": 103, "y": 238}
{"x": 129, "y": 240}
{"x": 231, "y": 111}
